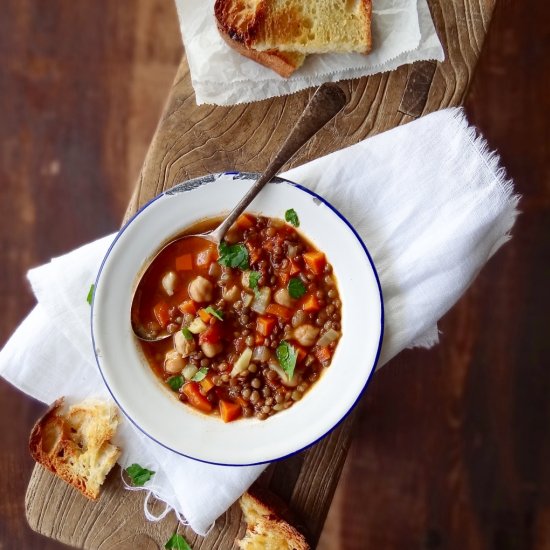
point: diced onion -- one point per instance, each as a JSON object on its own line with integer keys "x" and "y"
{"x": 261, "y": 354}
{"x": 189, "y": 371}
{"x": 261, "y": 300}
{"x": 246, "y": 298}
{"x": 197, "y": 326}
{"x": 241, "y": 364}
{"x": 274, "y": 365}
{"x": 283, "y": 298}
{"x": 292, "y": 251}
{"x": 328, "y": 337}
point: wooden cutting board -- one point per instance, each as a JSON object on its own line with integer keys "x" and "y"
{"x": 191, "y": 141}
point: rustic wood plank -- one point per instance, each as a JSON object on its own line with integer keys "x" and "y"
{"x": 194, "y": 140}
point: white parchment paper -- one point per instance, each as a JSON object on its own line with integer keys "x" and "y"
{"x": 403, "y": 32}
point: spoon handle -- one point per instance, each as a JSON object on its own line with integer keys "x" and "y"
{"x": 327, "y": 101}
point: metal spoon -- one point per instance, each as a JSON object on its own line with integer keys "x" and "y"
{"x": 326, "y": 102}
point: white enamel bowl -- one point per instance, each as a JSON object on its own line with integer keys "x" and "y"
{"x": 153, "y": 408}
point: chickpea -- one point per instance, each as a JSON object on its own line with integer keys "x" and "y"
{"x": 170, "y": 282}
{"x": 306, "y": 335}
{"x": 210, "y": 350}
{"x": 200, "y": 289}
{"x": 173, "y": 362}
{"x": 231, "y": 295}
{"x": 182, "y": 345}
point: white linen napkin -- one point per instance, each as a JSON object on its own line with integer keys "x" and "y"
{"x": 402, "y": 32}
{"x": 430, "y": 202}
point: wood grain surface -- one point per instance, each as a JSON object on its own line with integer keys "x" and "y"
{"x": 191, "y": 141}
{"x": 458, "y": 460}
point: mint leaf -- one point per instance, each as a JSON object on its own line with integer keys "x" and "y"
{"x": 296, "y": 287}
{"x": 215, "y": 312}
{"x": 187, "y": 333}
{"x": 292, "y": 217}
{"x": 287, "y": 356}
{"x": 175, "y": 382}
{"x": 90, "y": 296}
{"x": 200, "y": 374}
{"x": 139, "y": 475}
{"x": 235, "y": 255}
{"x": 177, "y": 542}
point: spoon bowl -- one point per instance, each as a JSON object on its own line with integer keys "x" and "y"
{"x": 328, "y": 100}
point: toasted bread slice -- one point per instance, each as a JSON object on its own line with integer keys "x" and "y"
{"x": 233, "y": 18}
{"x": 314, "y": 26}
{"x": 295, "y": 27}
{"x": 265, "y": 529}
{"x": 76, "y": 446}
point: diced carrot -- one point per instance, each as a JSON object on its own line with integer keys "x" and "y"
{"x": 204, "y": 315}
{"x": 264, "y": 325}
{"x": 184, "y": 262}
{"x": 310, "y": 303}
{"x": 241, "y": 401}
{"x": 212, "y": 335}
{"x": 245, "y": 221}
{"x": 282, "y": 312}
{"x": 323, "y": 354}
{"x": 259, "y": 341}
{"x": 195, "y": 398}
{"x": 188, "y": 307}
{"x": 161, "y": 313}
{"x": 315, "y": 261}
{"x": 229, "y": 411}
{"x": 206, "y": 384}
{"x": 294, "y": 267}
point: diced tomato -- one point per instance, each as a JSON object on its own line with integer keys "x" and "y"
{"x": 270, "y": 244}
{"x": 253, "y": 253}
{"x": 212, "y": 335}
{"x": 229, "y": 411}
{"x": 206, "y": 383}
{"x": 245, "y": 221}
{"x": 264, "y": 325}
{"x": 315, "y": 261}
{"x": 188, "y": 307}
{"x": 184, "y": 262}
{"x": 310, "y": 303}
{"x": 283, "y": 278}
{"x": 195, "y": 398}
{"x": 294, "y": 267}
{"x": 323, "y": 354}
{"x": 204, "y": 315}
{"x": 282, "y": 312}
{"x": 161, "y": 313}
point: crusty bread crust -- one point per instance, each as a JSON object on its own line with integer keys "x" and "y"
{"x": 76, "y": 446}
{"x": 266, "y": 529}
{"x": 234, "y": 27}
{"x": 283, "y": 63}
{"x": 290, "y": 26}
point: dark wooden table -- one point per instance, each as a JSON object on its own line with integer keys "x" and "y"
{"x": 459, "y": 459}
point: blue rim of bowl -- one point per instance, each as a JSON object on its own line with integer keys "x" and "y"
{"x": 246, "y": 175}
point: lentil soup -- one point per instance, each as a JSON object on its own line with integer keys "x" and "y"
{"x": 253, "y": 323}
